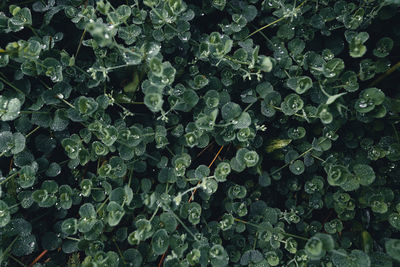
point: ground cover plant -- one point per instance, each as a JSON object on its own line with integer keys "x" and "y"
{"x": 199, "y": 133}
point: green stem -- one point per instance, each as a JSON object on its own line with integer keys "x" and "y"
{"x": 264, "y": 27}
{"x": 295, "y": 236}
{"x": 236, "y": 61}
{"x": 66, "y": 102}
{"x": 130, "y": 178}
{"x": 81, "y": 70}
{"x": 33, "y": 112}
{"x": 72, "y": 238}
{"x": 102, "y": 205}
{"x": 150, "y": 156}
{"x": 301, "y": 155}
{"x": 8, "y": 178}
{"x": 31, "y": 132}
{"x": 183, "y": 225}
{"x": 387, "y": 73}
{"x": 159, "y": 15}
{"x": 248, "y": 107}
{"x": 170, "y": 151}
{"x": 33, "y": 30}
{"x": 10, "y": 84}
{"x": 395, "y": 133}
{"x": 80, "y": 43}
{"x": 274, "y": 22}
{"x": 14, "y": 206}
{"x": 259, "y": 227}
{"x": 155, "y": 212}
{"x": 8, "y": 249}
{"x": 17, "y": 260}
{"x": 119, "y": 251}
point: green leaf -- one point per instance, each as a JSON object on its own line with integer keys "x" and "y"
{"x": 350, "y": 81}
{"x": 363, "y": 105}
{"x": 291, "y": 104}
{"x": 394, "y": 220}
{"x": 373, "y": 94}
{"x": 27, "y": 176}
{"x": 230, "y": 111}
{"x": 355, "y": 258}
{"x": 24, "y": 246}
{"x": 219, "y": 4}
{"x": 392, "y": 247}
{"x": 357, "y": 49}
{"x": 333, "y": 98}
{"x": 296, "y": 133}
{"x": 69, "y": 226}
{"x": 365, "y": 174}
{"x": 168, "y": 222}
{"x": 86, "y": 105}
{"x": 153, "y": 101}
{"x": 9, "y": 108}
{"x": 300, "y": 84}
{"x": 21, "y": 18}
{"x": 50, "y": 186}
{"x": 53, "y": 69}
{"x": 218, "y": 256}
{"x": 297, "y": 167}
{"x": 114, "y": 213}
{"x": 4, "y": 214}
{"x": 87, "y": 211}
{"x": 53, "y": 170}
{"x": 237, "y": 191}
{"x": 50, "y": 241}
{"x": 337, "y": 175}
{"x": 333, "y": 68}
{"x": 133, "y": 256}
{"x": 6, "y": 141}
{"x": 160, "y": 241}
{"x": 226, "y": 222}
{"x": 277, "y": 144}
{"x": 324, "y": 114}
{"x": 383, "y": 47}
{"x": 264, "y": 88}
{"x": 265, "y": 63}
{"x": 250, "y": 158}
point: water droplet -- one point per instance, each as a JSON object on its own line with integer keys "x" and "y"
{"x": 363, "y": 104}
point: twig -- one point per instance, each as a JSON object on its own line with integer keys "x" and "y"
{"x": 38, "y": 257}
{"x": 387, "y": 73}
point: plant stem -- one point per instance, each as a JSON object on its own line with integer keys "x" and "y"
{"x": 155, "y": 212}
{"x": 10, "y": 84}
{"x": 119, "y": 251}
{"x": 395, "y": 133}
{"x": 33, "y": 30}
{"x": 387, "y": 73}
{"x": 14, "y": 206}
{"x": 259, "y": 227}
{"x": 80, "y": 43}
{"x": 236, "y": 61}
{"x": 264, "y": 27}
{"x": 5, "y": 252}
{"x": 183, "y": 225}
{"x": 17, "y": 260}
{"x": 31, "y": 132}
{"x": 102, "y": 205}
{"x": 33, "y": 112}
{"x": 8, "y": 178}
{"x": 72, "y": 238}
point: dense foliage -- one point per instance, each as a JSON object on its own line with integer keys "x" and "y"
{"x": 199, "y": 133}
